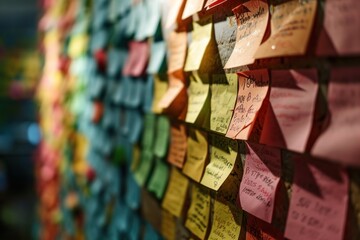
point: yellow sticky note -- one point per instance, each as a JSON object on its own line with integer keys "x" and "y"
{"x": 176, "y": 193}
{"x": 226, "y": 222}
{"x": 198, "y": 92}
{"x": 291, "y": 25}
{"x": 223, "y": 99}
{"x": 175, "y": 87}
{"x": 198, "y": 215}
{"x": 160, "y": 88}
{"x": 196, "y": 154}
{"x": 168, "y": 225}
{"x": 223, "y": 153}
{"x": 78, "y": 44}
{"x": 201, "y": 36}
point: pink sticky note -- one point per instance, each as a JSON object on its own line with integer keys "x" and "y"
{"x": 260, "y": 179}
{"x": 137, "y": 60}
{"x": 340, "y": 141}
{"x": 290, "y": 113}
{"x": 340, "y": 33}
{"x": 319, "y": 202}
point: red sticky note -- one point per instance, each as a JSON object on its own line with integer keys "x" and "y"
{"x": 137, "y": 60}
{"x": 340, "y": 141}
{"x": 213, "y": 3}
{"x": 260, "y": 179}
{"x": 319, "y": 202}
{"x": 290, "y": 113}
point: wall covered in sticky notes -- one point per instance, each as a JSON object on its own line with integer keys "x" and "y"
{"x": 200, "y": 119}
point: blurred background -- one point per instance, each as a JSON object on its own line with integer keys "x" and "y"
{"x": 19, "y": 134}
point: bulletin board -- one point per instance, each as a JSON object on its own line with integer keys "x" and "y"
{"x": 215, "y": 119}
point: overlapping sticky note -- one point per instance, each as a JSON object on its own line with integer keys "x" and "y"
{"x": 176, "y": 46}
{"x": 192, "y": 7}
{"x": 178, "y": 145}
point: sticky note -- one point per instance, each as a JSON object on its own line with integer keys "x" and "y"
{"x": 339, "y": 142}
{"x": 197, "y": 219}
{"x": 135, "y": 123}
{"x": 142, "y": 172}
{"x": 198, "y": 92}
{"x": 149, "y": 131}
{"x": 176, "y": 45}
{"x": 175, "y": 195}
{"x": 213, "y": 3}
{"x": 226, "y": 222}
{"x": 178, "y": 145}
{"x": 162, "y": 136}
{"x": 160, "y": 88}
{"x": 200, "y": 38}
{"x": 291, "y": 26}
{"x": 223, "y": 99}
{"x": 172, "y": 11}
{"x": 258, "y": 229}
{"x": 157, "y": 57}
{"x": 78, "y": 45}
{"x": 319, "y": 201}
{"x": 132, "y": 195}
{"x": 134, "y": 92}
{"x": 223, "y": 153}
{"x": 148, "y": 94}
{"x": 260, "y": 179}
{"x": 159, "y": 178}
{"x": 174, "y": 88}
{"x": 150, "y": 209}
{"x": 290, "y": 114}
{"x": 192, "y": 7}
{"x": 137, "y": 60}
{"x": 253, "y": 87}
{"x": 340, "y": 35}
{"x": 168, "y": 225}
{"x": 196, "y": 154}
{"x": 252, "y": 18}
{"x": 150, "y": 233}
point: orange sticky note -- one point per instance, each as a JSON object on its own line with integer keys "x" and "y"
{"x": 319, "y": 201}
{"x": 253, "y": 88}
{"x": 340, "y": 141}
{"x": 252, "y": 19}
{"x": 291, "y": 25}
{"x": 177, "y": 43}
{"x": 178, "y": 145}
{"x": 290, "y": 113}
{"x": 174, "y": 88}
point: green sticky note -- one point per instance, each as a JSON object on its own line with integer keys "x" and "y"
{"x": 149, "y": 132}
{"x": 159, "y": 179}
{"x": 142, "y": 172}
{"x": 162, "y": 136}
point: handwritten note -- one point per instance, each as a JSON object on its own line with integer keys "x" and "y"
{"x": 319, "y": 201}
{"x": 175, "y": 87}
{"x": 198, "y": 92}
{"x": 192, "y": 7}
{"x": 340, "y": 33}
{"x": 159, "y": 178}
{"x": 223, "y": 153}
{"x": 290, "y": 113}
{"x": 200, "y": 38}
{"x": 261, "y": 177}
{"x": 137, "y": 60}
{"x": 340, "y": 141}
{"x": 168, "y": 225}
{"x": 291, "y": 25}
{"x": 252, "y": 18}
{"x": 223, "y": 98}
{"x": 253, "y": 88}
{"x": 178, "y": 145}
{"x": 176, "y": 43}
{"x": 176, "y": 193}
{"x": 198, "y": 215}
{"x": 162, "y": 136}
{"x": 226, "y": 222}
{"x": 196, "y": 154}
{"x": 160, "y": 88}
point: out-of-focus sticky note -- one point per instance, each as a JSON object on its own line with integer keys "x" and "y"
{"x": 340, "y": 34}
{"x": 196, "y": 154}
{"x": 137, "y": 60}
{"x": 150, "y": 233}
{"x": 171, "y": 12}
{"x": 223, "y": 153}
{"x": 176, "y": 45}
{"x": 157, "y": 57}
{"x": 260, "y": 179}
{"x": 160, "y": 88}
{"x": 175, "y": 87}
{"x": 162, "y": 136}
{"x": 253, "y": 88}
{"x": 252, "y": 18}
{"x": 319, "y": 201}
{"x": 78, "y": 44}
{"x": 340, "y": 141}
{"x": 142, "y": 172}
{"x": 290, "y": 113}
{"x": 226, "y": 222}
{"x": 178, "y": 145}
{"x": 175, "y": 195}
{"x": 159, "y": 179}
{"x": 135, "y": 92}
{"x": 198, "y": 92}
{"x": 223, "y": 98}
{"x": 197, "y": 219}
{"x": 258, "y": 229}
{"x": 132, "y": 192}
{"x": 150, "y": 209}
{"x": 213, "y": 3}
{"x": 148, "y": 94}
{"x": 168, "y": 225}
{"x": 135, "y": 121}
{"x": 148, "y": 136}
{"x": 291, "y": 26}
{"x": 192, "y": 7}
{"x": 200, "y": 38}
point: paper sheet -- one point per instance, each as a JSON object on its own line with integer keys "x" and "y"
{"x": 290, "y": 113}
{"x": 252, "y": 19}
{"x": 178, "y": 145}
{"x": 253, "y": 88}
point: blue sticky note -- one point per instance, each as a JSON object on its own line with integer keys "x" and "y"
{"x": 115, "y": 61}
{"x": 96, "y": 87}
{"x": 135, "y": 122}
{"x": 157, "y": 57}
{"x": 99, "y": 18}
{"x": 134, "y": 96}
{"x": 135, "y": 227}
{"x": 99, "y": 40}
{"x": 148, "y": 94}
{"x": 151, "y": 233}
{"x": 133, "y": 192}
